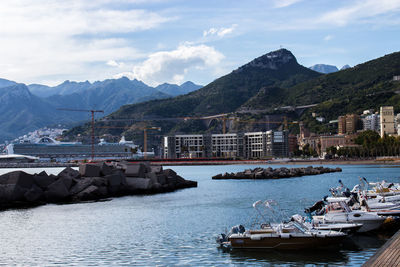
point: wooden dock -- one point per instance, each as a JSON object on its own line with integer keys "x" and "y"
{"x": 388, "y": 254}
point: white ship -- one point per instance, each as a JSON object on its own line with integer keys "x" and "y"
{"x": 49, "y": 149}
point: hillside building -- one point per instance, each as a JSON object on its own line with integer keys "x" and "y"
{"x": 387, "y": 120}
{"x": 371, "y": 122}
{"x": 342, "y": 125}
{"x": 348, "y": 124}
{"x": 335, "y": 141}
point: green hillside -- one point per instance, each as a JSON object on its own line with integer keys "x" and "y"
{"x": 267, "y": 83}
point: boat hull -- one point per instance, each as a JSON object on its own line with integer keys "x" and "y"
{"x": 287, "y": 243}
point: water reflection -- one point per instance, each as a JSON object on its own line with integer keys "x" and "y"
{"x": 300, "y": 257}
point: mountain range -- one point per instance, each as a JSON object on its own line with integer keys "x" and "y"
{"x": 26, "y": 108}
{"x": 270, "y": 85}
{"x": 325, "y": 69}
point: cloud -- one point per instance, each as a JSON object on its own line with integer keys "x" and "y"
{"x": 360, "y": 11}
{"x": 328, "y": 38}
{"x": 285, "y": 3}
{"x": 171, "y": 66}
{"x": 369, "y": 12}
{"x": 221, "y": 32}
{"x": 113, "y": 63}
{"x": 70, "y": 39}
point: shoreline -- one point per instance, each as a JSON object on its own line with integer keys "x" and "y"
{"x": 190, "y": 162}
{"x": 277, "y": 162}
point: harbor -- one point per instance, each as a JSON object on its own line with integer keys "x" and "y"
{"x": 192, "y": 219}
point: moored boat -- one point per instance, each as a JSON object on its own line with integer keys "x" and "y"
{"x": 283, "y": 235}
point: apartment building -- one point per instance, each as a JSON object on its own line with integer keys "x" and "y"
{"x": 387, "y": 120}
{"x": 250, "y": 145}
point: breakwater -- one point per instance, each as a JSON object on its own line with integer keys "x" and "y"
{"x": 278, "y": 173}
{"x": 92, "y": 182}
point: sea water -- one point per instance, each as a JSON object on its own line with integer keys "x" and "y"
{"x": 177, "y": 228}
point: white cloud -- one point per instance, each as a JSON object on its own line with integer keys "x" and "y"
{"x": 45, "y": 39}
{"x": 328, "y": 38}
{"x": 113, "y": 63}
{"x": 372, "y": 12}
{"x": 221, "y": 32}
{"x": 359, "y": 11}
{"x": 284, "y": 3}
{"x": 171, "y": 66}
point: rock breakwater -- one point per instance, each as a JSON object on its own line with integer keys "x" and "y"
{"x": 93, "y": 181}
{"x": 270, "y": 173}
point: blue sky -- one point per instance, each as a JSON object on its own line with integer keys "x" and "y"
{"x": 157, "y": 41}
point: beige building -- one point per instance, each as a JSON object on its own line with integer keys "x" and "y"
{"x": 348, "y": 124}
{"x": 336, "y": 141}
{"x": 387, "y": 120}
{"x": 342, "y": 125}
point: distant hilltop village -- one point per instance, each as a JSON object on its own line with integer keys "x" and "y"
{"x": 350, "y": 141}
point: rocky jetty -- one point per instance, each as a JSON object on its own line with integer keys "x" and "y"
{"x": 270, "y": 173}
{"x": 93, "y": 181}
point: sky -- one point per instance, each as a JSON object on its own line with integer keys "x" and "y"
{"x": 157, "y": 41}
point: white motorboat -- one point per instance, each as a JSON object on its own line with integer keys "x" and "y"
{"x": 339, "y": 212}
{"x": 317, "y": 225}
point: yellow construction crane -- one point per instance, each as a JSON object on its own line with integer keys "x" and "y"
{"x": 145, "y": 138}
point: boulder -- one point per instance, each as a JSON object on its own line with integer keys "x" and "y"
{"x": 99, "y": 181}
{"x": 161, "y": 178}
{"x": 91, "y": 193}
{"x": 259, "y": 175}
{"x": 57, "y": 191}
{"x": 34, "y": 194}
{"x": 44, "y": 180}
{"x": 69, "y": 173}
{"x": 69, "y": 176}
{"x": 156, "y": 169}
{"x": 135, "y": 170}
{"x": 80, "y": 185}
{"x": 172, "y": 180}
{"x": 89, "y": 170}
{"x": 169, "y": 172}
{"x": 11, "y": 192}
{"x": 179, "y": 180}
{"x": 20, "y": 178}
{"x": 105, "y": 169}
{"x": 137, "y": 184}
{"x": 115, "y": 182}
{"x": 153, "y": 177}
{"x": 156, "y": 187}
{"x": 115, "y": 179}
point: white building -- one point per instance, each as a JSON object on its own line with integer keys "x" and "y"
{"x": 254, "y": 145}
{"x": 371, "y": 122}
{"x": 226, "y": 145}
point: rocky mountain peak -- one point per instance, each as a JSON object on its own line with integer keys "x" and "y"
{"x": 273, "y": 60}
{"x": 324, "y": 68}
{"x": 345, "y": 67}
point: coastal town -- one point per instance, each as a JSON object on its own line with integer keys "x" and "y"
{"x": 200, "y": 133}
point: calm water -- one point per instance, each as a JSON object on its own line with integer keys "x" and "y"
{"x": 175, "y": 228}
